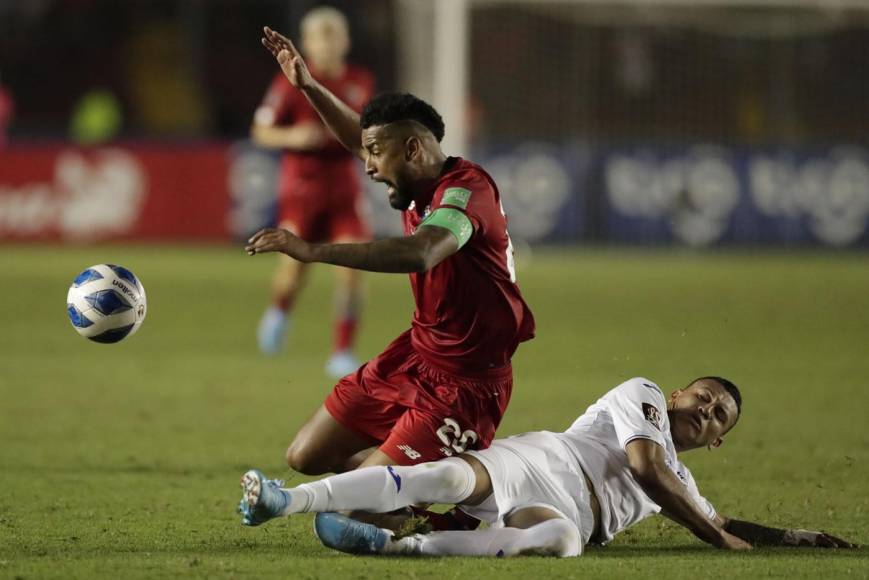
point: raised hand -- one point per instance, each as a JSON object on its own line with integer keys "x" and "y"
{"x": 288, "y": 57}
{"x": 809, "y": 539}
{"x": 275, "y": 240}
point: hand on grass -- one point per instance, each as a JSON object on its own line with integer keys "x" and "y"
{"x": 809, "y": 539}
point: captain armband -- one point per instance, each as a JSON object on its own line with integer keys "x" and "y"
{"x": 453, "y": 220}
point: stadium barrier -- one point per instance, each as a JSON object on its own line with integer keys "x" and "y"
{"x": 692, "y": 194}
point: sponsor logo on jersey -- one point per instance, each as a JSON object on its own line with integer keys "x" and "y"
{"x": 457, "y": 196}
{"x": 410, "y": 451}
{"x": 652, "y": 415}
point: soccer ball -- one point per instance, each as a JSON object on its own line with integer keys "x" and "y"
{"x": 106, "y": 303}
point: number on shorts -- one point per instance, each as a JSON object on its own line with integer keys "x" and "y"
{"x": 454, "y": 438}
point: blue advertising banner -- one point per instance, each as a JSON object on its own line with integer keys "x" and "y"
{"x": 690, "y": 194}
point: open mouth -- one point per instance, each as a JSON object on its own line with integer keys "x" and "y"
{"x": 697, "y": 422}
{"x": 390, "y": 188}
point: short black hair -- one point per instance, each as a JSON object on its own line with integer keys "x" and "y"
{"x": 730, "y": 388}
{"x": 392, "y": 107}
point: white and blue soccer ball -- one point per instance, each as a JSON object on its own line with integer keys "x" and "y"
{"x": 106, "y": 303}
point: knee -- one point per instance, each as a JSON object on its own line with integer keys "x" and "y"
{"x": 564, "y": 538}
{"x": 455, "y": 478}
{"x": 304, "y": 461}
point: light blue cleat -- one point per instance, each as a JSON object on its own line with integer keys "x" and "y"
{"x": 341, "y": 364}
{"x": 348, "y": 535}
{"x": 272, "y": 331}
{"x": 262, "y": 499}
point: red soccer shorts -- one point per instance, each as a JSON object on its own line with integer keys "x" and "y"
{"x": 420, "y": 413}
{"x": 322, "y": 206}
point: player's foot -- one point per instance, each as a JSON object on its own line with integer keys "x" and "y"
{"x": 272, "y": 331}
{"x": 344, "y": 534}
{"x": 341, "y": 363}
{"x": 262, "y": 499}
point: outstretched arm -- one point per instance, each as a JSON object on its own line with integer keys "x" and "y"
{"x": 760, "y": 535}
{"x": 417, "y": 253}
{"x": 341, "y": 120}
{"x": 648, "y": 466}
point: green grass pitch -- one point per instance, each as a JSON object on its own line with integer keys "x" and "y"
{"x": 123, "y": 460}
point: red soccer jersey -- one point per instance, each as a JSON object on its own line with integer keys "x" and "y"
{"x": 470, "y": 315}
{"x": 286, "y": 105}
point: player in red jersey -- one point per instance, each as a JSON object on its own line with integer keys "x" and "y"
{"x": 319, "y": 197}
{"x": 441, "y": 387}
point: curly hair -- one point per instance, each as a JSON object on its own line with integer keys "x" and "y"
{"x": 392, "y": 107}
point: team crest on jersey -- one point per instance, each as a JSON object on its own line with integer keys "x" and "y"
{"x": 652, "y": 415}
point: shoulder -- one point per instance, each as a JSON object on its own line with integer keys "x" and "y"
{"x": 639, "y": 386}
{"x": 466, "y": 182}
{"x": 641, "y": 392}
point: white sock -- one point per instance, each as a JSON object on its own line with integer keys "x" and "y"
{"x": 557, "y": 537}
{"x": 383, "y": 489}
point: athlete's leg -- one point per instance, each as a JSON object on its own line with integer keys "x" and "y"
{"x": 530, "y": 531}
{"x": 386, "y": 488}
{"x": 287, "y": 282}
{"x": 533, "y": 530}
{"x": 347, "y": 308}
{"x": 323, "y": 445}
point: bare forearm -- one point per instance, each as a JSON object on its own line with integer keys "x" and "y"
{"x": 668, "y": 492}
{"x": 755, "y": 533}
{"x": 341, "y": 120}
{"x": 393, "y": 255}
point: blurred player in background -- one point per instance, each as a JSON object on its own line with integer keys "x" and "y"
{"x": 7, "y": 108}
{"x": 442, "y": 386}
{"x": 319, "y": 194}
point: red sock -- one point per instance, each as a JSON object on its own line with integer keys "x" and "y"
{"x": 283, "y": 304}
{"x": 345, "y": 332}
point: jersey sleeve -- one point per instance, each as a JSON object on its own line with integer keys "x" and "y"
{"x": 704, "y": 504}
{"x": 276, "y": 106}
{"x": 470, "y": 196}
{"x": 638, "y": 411}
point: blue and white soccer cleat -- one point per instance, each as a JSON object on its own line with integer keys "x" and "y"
{"x": 272, "y": 331}
{"x": 262, "y": 499}
{"x": 344, "y": 534}
{"x": 341, "y": 364}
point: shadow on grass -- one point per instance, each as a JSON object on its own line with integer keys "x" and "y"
{"x": 695, "y": 551}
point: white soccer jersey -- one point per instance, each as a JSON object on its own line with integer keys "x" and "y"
{"x": 635, "y": 409}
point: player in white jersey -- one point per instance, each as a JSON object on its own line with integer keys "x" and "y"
{"x": 544, "y": 492}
